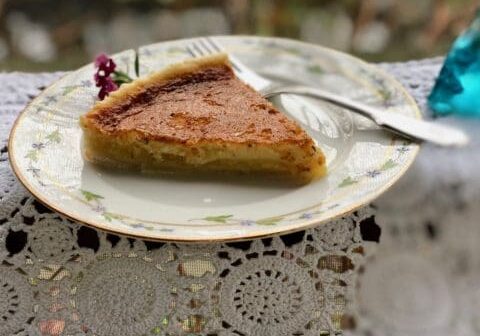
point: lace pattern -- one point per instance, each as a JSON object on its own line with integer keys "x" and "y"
{"x": 60, "y": 278}
{"x": 422, "y": 278}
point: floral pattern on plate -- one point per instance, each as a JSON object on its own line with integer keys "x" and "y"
{"x": 363, "y": 160}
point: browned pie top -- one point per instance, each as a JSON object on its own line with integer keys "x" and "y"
{"x": 207, "y": 104}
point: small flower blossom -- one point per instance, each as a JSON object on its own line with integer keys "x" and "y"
{"x": 105, "y": 63}
{"x": 107, "y": 78}
{"x": 86, "y": 83}
{"x": 50, "y": 100}
{"x": 38, "y": 145}
{"x": 333, "y": 206}
{"x": 106, "y": 86}
{"x": 373, "y": 173}
{"x": 306, "y": 215}
{"x": 35, "y": 171}
{"x": 99, "y": 208}
{"x": 105, "y": 68}
{"x": 247, "y": 222}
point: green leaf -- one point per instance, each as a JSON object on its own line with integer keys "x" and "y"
{"x": 388, "y": 165}
{"x": 346, "y": 182}
{"x": 386, "y": 95}
{"x": 107, "y": 216}
{"x": 219, "y": 219}
{"x": 119, "y": 82}
{"x": 89, "y": 196}
{"x": 156, "y": 331}
{"x": 269, "y": 221}
{"x": 68, "y": 89}
{"x": 315, "y": 69}
{"x": 32, "y": 155}
{"x": 121, "y": 77}
{"x": 54, "y": 136}
{"x": 137, "y": 63}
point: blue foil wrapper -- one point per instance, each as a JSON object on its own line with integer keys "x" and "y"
{"x": 457, "y": 89}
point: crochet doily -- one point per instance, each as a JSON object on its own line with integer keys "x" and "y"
{"x": 60, "y": 278}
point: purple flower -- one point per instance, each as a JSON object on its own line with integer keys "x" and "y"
{"x": 35, "y": 171}
{"x": 86, "y": 83}
{"x": 107, "y": 78}
{"x": 373, "y": 173}
{"x": 105, "y": 67}
{"x": 306, "y": 215}
{"x": 38, "y": 145}
{"x": 50, "y": 100}
{"x": 99, "y": 208}
{"x": 247, "y": 222}
{"x": 106, "y": 86}
{"x": 105, "y": 63}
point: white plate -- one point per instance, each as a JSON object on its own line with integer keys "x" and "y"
{"x": 363, "y": 160}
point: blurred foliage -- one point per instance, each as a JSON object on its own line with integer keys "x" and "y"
{"x": 46, "y": 35}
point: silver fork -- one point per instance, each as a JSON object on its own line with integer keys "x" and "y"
{"x": 415, "y": 129}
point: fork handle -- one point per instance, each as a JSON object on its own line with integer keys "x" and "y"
{"x": 415, "y": 129}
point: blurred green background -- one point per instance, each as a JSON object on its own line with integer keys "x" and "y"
{"x": 47, "y": 35}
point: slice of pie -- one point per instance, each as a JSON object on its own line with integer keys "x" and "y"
{"x": 197, "y": 116}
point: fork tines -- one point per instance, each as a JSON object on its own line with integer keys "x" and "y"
{"x": 205, "y": 46}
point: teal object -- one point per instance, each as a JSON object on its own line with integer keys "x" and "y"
{"x": 457, "y": 89}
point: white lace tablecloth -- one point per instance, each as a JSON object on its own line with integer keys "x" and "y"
{"x": 422, "y": 277}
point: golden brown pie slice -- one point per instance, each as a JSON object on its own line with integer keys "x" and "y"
{"x": 197, "y": 116}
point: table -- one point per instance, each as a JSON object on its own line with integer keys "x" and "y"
{"x": 407, "y": 265}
